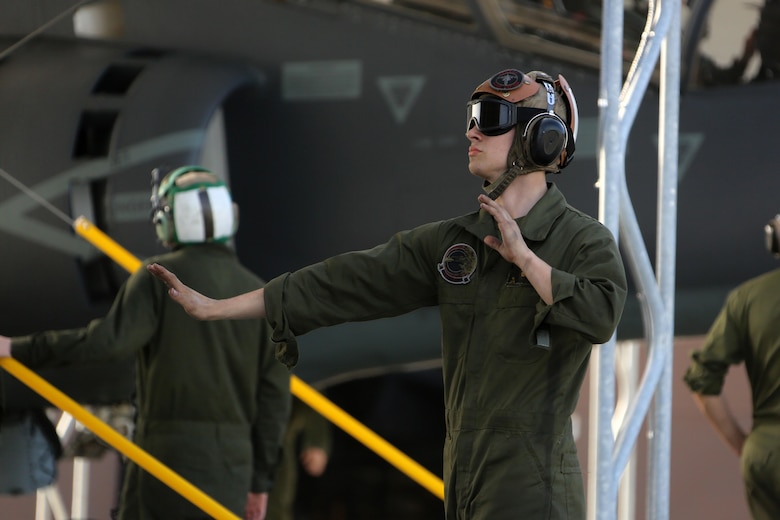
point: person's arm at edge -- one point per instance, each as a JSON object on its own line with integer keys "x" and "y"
{"x": 717, "y": 412}
{"x": 247, "y": 305}
{"x": 5, "y": 346}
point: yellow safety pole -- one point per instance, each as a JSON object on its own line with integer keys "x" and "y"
{"x": 350, "y": 425}
{"x": 115, "y": 439}
{"x": 97, "y": 238}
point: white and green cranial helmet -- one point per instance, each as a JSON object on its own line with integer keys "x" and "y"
{"x": 191, "y": 205}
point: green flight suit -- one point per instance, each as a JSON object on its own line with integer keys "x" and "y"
{"x": 747, "y": 330}
{"x": 512, "y": 365}
{"x": 212, "y": 401}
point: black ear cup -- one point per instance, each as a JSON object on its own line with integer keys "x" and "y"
{"x": 545, "y": 136}
{"x": 545, "y": 139}
{"x": 772, "y": 232}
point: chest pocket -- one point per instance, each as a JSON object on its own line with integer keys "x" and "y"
{"x": 517, "y": 291}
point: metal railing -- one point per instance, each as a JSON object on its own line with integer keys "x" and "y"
{"x": 610, "y": 453}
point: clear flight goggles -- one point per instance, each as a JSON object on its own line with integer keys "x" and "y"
{"x": 491, "y": 115}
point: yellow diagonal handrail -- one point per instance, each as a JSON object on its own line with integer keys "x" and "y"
{"x": 360, "y": 432}
{"x": 115, "y": 439}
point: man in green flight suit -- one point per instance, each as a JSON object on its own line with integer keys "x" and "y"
{"x": 525, "y": 286}
{"x": 212, "y": 401}
{"x": 747, "y": 330}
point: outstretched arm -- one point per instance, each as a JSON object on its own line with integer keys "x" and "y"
{"x": 243, "y": 306}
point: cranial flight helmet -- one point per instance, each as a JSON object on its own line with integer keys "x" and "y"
{"x": 544, "y": 112}
{"x": 191, "y": 205}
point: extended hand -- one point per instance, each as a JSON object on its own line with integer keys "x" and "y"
{"x": 194, "y": 303}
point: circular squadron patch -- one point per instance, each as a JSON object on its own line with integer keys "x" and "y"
{"x": 458, "y": 264}
{"x": 507, "y": 80}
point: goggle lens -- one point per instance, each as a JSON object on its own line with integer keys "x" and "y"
{"x": 492, "y": 116}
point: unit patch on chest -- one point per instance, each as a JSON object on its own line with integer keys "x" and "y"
{"x": 458, "y": 264}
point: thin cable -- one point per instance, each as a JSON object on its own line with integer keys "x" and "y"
{"x": 37, "y": 198}
{"x": 42, "y": 28}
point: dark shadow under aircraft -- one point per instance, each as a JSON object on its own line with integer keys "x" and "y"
{"x": 338, "y": 123}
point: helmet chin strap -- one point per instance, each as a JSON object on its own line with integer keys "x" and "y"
{"x": 497, "y": 187}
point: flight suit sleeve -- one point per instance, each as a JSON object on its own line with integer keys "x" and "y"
{"x": 709, "y": 365}
{"x": 272, "y": 415}
{"x": 128, "y": 326}
{"x": 589, "y": 290}
{"x": 387, "y": 280}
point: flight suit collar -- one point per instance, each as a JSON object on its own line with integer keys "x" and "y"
{"x": 483, "y": 226}
{"x": 537, "y": 223}
{"x": 534, "y": 226}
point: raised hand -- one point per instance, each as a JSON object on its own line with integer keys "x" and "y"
{"x": 511, "y": 245}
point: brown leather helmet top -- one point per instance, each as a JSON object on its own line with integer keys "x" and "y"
{"x": 509, "y": 84}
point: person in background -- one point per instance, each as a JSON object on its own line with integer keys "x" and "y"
{"x": 212, "y": 402}
{"x": 525, "y": 285}
{"x": 307, "y": 445}
{"x": 747, "y": 331}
